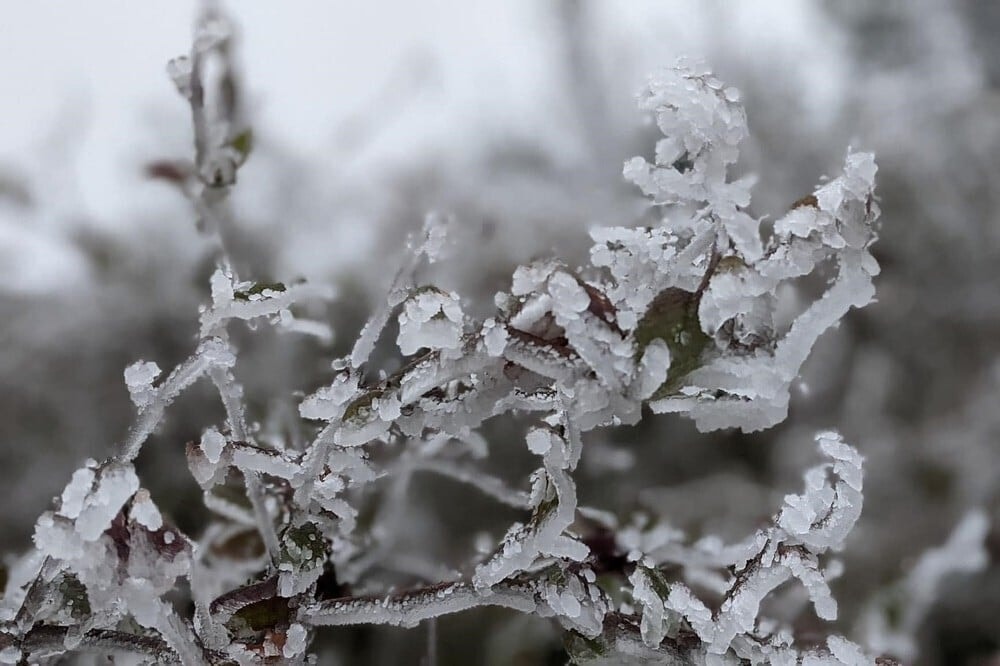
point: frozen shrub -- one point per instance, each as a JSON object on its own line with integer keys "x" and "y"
{"x": 680, "y": 317}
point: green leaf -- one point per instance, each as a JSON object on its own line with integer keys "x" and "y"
{"x": 581, "y": 649}
{"x": 673, "y": 318}
{"x": 74, "y": 595}
{"x": 359, "y": 411}
{"x": 243, "y": 144}
{"x": 303, "y": 546}
{"x": 232, "y": 494}
{"x": 657, "y": 581}
{"x": 260, "y": 615}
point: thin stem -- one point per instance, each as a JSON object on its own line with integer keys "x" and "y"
{"x": 50, "y": 638}
{"x": 228, "y": 391}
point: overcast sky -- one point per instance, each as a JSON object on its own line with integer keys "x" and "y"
{"x": 95, "y": 69}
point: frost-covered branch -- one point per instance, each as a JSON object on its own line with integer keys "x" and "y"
{"x": 45, "y": 640}
{"x": 679, "y": 317}
{"x": 808, "y": 526}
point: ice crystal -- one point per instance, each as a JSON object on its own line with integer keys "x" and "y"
{"x": 431, "y": 319}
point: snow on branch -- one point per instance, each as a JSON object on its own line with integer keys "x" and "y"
{"x": 679, "y": 317}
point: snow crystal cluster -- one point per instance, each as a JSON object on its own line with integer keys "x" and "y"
{"x": 680, "y": 317}
{"x": 807, "y": 526}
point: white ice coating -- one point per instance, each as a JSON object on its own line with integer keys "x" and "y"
{"x": 494, "y": 337}
{"x": 653, "y": 625}
{"x": 808, "y": 525}
{"x": 139, "y": 378}
{"x": 212, "y": 444}
{"x": 430, "y": 318}
{"x": 116, "y": 483}
{"x": 563, "y": 348}
{"x": 264, "y": 302}
{"x": 77, "y": 489}
{"x": 295, "y": 640}
{"x": 145, "y": 512}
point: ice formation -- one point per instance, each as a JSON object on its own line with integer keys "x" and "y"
{"x": 680, "y": 317}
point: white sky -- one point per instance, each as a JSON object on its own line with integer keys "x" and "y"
{"x": 98, "y": 63}
{"x": 85, "y": 93}
{"x": 93, "y": 67}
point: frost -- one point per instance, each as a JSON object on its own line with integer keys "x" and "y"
{"x": 846, "y": 652}
{"x": 233, "y": 299}
{"x": 431, "y": 319}
{"x": 650, "y": 591}
{"x": 807, "y": 526}
{"x": 139, "y": 379}
{"x": 212, "y": 444}
{"x": 76, "y": 491}
{"x": 539, "y": 441}
{"x": 568, "y": 293}
{"x": 495, "y": 337}
{"x": 653, "y": 368}
{"x": 295, "y": 640}
{"x": 682, "y": 316}
{"x": 116, "y": 483}
{"x": 145, "y": 512}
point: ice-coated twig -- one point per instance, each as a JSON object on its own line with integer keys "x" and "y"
{"x": 44, "y": 640}
{"x": 207, "y": 79}
{"x": 679, "y": 317}
{"x": 487, "y": 484}
{"x": 415, "y": 252}
{"x": 230, "y": 393}
{"x": 408, "y": 609}
{"x": 211, "y": 353}
{"x": 807, "y": 526}
{"x": 267, "y": 302}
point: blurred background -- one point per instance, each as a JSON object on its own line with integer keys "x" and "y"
{"x": 515, "y": 117}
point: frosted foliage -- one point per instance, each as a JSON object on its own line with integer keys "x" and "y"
{"x": 679, "y": 317}
{"x": 717, "y": 264}
{"x": 431, "y": 319}
{"x": 808, "y": 526}
{"x": 649, "y": 591}
{"x": 553, "y": 503}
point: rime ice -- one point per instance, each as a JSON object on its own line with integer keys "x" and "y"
{"x": 680, "y": 316}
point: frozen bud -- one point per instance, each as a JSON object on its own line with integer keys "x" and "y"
{"x": 139, "y": 378}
